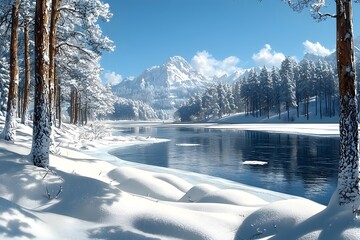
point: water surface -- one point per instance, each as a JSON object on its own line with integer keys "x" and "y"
{"x": 299, "y": 165}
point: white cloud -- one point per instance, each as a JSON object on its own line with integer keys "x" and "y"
{"x": 112, "y": 78}
{"x": 267, "y": 57}
{"x": 208, "y": 66}
{"x": 316, "y": 49}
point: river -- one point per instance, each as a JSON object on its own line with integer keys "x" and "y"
{"x": 299, "y": 165}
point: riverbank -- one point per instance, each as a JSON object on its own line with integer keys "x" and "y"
{"x": 93, "y": 198}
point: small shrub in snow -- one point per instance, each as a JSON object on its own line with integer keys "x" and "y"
{"x": 95, "y": 131}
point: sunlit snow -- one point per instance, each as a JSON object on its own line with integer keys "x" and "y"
{"x": 89, "y": 194}
{"x": 255, "y": 162}
{"x": 187, "y": 144}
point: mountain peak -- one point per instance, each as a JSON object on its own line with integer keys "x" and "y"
{"x": 175, "y": 59}
{"x": 179, "y": 63}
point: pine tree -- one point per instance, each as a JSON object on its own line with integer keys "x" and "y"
{"x": 330, "y": 88}
{"x": 79, "y": 42}
{"x": 296, "y": 69}
{"x": 26, "y": 93}
{"x": 9, "y": 131}
{"x": 231, "y": 107}
{"x": 4, "y": 82}
{"x": 5, "y": 20}
{"x": 245, "y": 94}
{"x": 288, "y": 84}
{"x": 276, "y": 82}
{"x": 55, "y": 5}
{"x": 210, "y": 103}
{"x": 266, "y": 90}
{"x": 305, "y": 84}
{"x": 253, "y": 92}
{"x": 237, "y": 96}
{"x": 348, "y": 180}
{"x": 222, "y": 100}
{"x": 41, "y": 125}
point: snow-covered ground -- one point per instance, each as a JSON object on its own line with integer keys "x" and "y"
{"x": 88, "y": 194}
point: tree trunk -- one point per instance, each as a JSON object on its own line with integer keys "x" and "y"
{"x": 279, "y": 110}
{"x": 348, "y": 177}
{"x": 297, "y": 107}
{"x": 42, "y": 127}
{"x": 52, "y": 51}
{"x": 25, "y": 108}
{"x": 307, "y": 108}
{"x": 72, "y": 101}
{"x": 79, "y": 111}
{"x": 19, "y": 99}
{"x": 320, "y": 106}
{"x": 58, "y": 99}
{"x": 9, "y": 132}
{"x": 75, "y": 110}
{"x": 288, "y": 111}
{"x": 86, "y": 113}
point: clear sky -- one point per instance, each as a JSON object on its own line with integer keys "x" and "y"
{"x": 215, "y": 36}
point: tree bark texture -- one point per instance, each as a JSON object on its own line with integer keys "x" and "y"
{"x": 52, "y": 52}
{"x": 348, "y": 177}
{"x": 9, "y": 132}
{"x": 42, "y": 127}
{"x": 26, "y": 98}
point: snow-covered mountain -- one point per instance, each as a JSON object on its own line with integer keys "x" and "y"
{"x": 169, "y": 85}
{"x": 230, "y": 78}
{"x": 329, "y": 58}
{"x": 176, "y": 71}
{"x": 165, "y": 86}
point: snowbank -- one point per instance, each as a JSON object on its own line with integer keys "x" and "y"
{"x": 84, "y": 197}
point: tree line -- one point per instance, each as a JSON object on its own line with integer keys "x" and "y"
{"x": 50, "y": 63}
{"x": 127, "y": 109}
{"x": 266, "y": 92}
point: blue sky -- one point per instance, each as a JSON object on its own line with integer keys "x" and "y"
{"x": 215, "y": 36}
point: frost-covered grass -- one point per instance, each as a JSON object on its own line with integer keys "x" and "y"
{"x": 85, "y": 195}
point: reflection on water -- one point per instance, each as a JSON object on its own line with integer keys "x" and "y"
{"x": 299, "y": 165}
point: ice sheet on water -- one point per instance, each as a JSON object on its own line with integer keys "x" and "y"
{"x": 255, "y": 162}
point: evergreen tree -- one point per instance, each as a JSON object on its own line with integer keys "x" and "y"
{"x": 296, "y": 69}
{"x": 132, "y": 110}
{"x": 277, "y": 92}
{"x": 231, "y": 107}
{"x": 9, "y": 131}
{"x": 210, "y": 103}
{"x": 4, "y": 82}
{"x": 305, "y": 84}
{"x": 79, "y": 42}
{"x": 27, "y": 8}
{"x": 266, "y": 90}
{"x": 5, "y": 20}
{"x": 330, "y": 88}
{"x": 223, "y": 103}
{"x": 253, "y": 92}
{"x": 288, "y": 84}
{"x": 237, "y": 96}
{"x": 318, "y": 85}
{"x": 245, "y": 94}
{"x": 41, "y": 125}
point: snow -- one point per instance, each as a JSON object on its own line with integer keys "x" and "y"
{"x": 187, "y": 144}
{"x": 255, "y": 162}
{"x": 88, "y": 194}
